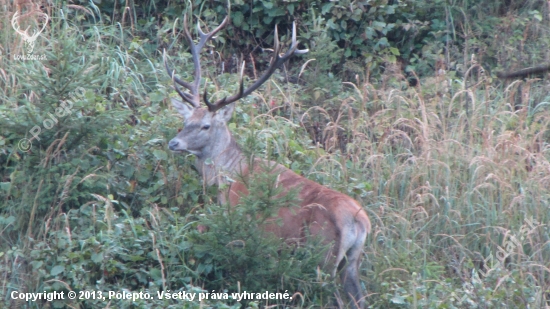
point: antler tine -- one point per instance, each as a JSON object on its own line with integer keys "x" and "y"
{"x": 185, "y": 96}
{"x": 221, "y": 103}
{"x": 295, "y": 43}
{"x": 193, "y": 96}
{"x": 194, "y": 87}
{"x": 275, "y": 63}
{"x": 195, "y": 49}
{"x": 204, "y": 37}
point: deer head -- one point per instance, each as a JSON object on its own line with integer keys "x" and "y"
{"x": 28, "y": 38}
{"x": 334, "y": 216}
{"x": 205, "y": 133}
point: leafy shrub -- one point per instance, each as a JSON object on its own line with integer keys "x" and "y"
{"x": 235, "y": 254}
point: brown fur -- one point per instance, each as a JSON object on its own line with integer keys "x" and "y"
{"x": 336, "y": 217}
{"x": 324, "y": 212}
{"x": 317, "y": 202}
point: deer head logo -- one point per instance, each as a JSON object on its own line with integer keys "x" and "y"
{"x": 27, "y": 37}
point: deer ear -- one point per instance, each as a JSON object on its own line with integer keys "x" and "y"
{"x": 185, "y": 110}
{"x": 226, "y": 112}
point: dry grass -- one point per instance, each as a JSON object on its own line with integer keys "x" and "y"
{"x": 455, "y": 173}
{"x": 450, "y": 171}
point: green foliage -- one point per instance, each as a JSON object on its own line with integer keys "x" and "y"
{"x": 236, "y": 254}
{"x": 357, "y": 29}
{"x": 95, "y": 249}
{"x": 447, "y": 170}
{"x": 355, "y": 34}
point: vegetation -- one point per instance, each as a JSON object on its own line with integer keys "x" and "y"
{"x": 401, "y": 109}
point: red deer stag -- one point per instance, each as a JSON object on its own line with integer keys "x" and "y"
{"x": 336, "y": 217}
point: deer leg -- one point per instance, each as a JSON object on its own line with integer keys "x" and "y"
{"x": 349, "y": 276}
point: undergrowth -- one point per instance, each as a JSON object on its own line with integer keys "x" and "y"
{"x": 453, "y": 170}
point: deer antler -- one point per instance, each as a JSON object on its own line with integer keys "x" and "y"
{"x": 193, "y": 97}
{"x": 275, "y": 63}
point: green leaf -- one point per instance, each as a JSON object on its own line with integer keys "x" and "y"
{"x": 382, "y": 42}
{"x": 276, "y": 12}
{"x": 378, "y": 25}
{"x": 97, "y": 257}
{"x": 37, "y": 265}
{"x": 395, "y": 51}
{"x": 370, "y": 33}
{"x": 155, "y": 273}
{"x": 5, "y": 185}
{"x": 347, "y": 53}
{"x": 142, "y": 176}
{"x": 290, "y": 8}
{"x": 295, "y": 146}
{"x": 238, "y": 18}
{"x": 344, "y": 24}
{"x": 156, "y": 96}
{"x": 57, "y": 270}
{"x": 135, "y": 258}
{"x": 327, "y": 7}
{"x": 128, "y": 171}
{"x": 160, "y": 154}
{"x": 330, "y": 24}
{"x": 398, "y": 299}
{"x": 7, "y": 221}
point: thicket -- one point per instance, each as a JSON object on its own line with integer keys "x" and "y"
{"x": 348, "y": 36}
{"x": 400, "y": 109}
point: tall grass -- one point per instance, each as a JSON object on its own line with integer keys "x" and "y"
{"x": 452, "y": 171}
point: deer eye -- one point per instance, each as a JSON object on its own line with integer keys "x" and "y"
{"x": 205, "y": 127}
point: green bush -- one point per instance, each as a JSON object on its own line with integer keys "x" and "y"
{"x": 235, "y": 254}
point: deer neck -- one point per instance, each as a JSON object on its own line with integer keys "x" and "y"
{"x": 222, "y": 161}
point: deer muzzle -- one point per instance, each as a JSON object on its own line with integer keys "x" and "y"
{"x": 176, "y": 145}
